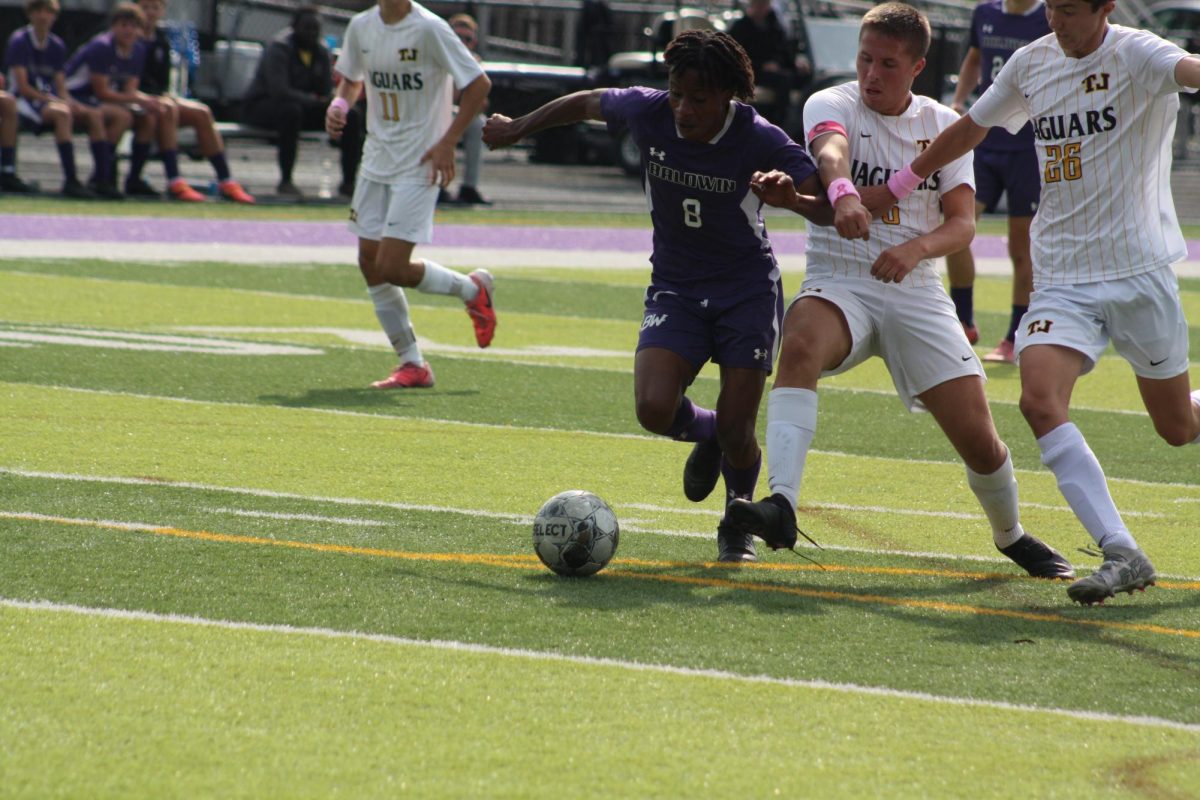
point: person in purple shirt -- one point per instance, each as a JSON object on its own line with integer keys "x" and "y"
{"x": 104, "y": 73}
{"x": 34, "y": 59}
{"x": 1004, "y": 163}
{"x": 714, "y": 289}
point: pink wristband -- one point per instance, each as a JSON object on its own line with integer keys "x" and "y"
{"x": 842, "y": 187}
{"x": 341, "y": 104}
{"x": 904, "y": 182}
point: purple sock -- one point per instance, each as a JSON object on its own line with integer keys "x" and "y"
{"x": 740, "y": 482}
{"x": 693, "y": 423}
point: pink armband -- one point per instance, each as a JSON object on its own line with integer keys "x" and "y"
{"x": 340, "y": 104}
{"x": 842, "y": 187}
{"x": 904, "y": 182}
{"x": 829, "y": 126}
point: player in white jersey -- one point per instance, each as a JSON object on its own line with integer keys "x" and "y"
{"x": 847, "y": 311}
{"x": 1103, "y": 101}
{"x": 409, "y": 61}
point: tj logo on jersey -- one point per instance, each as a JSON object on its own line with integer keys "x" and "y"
{"x": 408, "y": 53}
{"x": 659, "y": 154}
{"x": 1095, "y": 83}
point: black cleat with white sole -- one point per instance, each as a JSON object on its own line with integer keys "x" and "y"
{"x": 702, "y": 470}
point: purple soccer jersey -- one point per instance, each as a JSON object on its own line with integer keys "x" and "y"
{"x": 998, "y": 35}
{"x": 100, "y": 57}
{"x": 41, "y": 64}
{"x": 709, "y": 235}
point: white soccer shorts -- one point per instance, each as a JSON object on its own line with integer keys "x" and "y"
{"x": 401, "y": 211}
{"x": 913, "y": 329}
{"x": 1141, "y": 315}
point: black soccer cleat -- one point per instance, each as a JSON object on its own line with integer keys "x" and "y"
{"x": 733, "y": 545}
{"x": 702, "y": 470}
{"x": 1039, "y": 559}
{"x": 771, "y": 519}
{"x": 138, "y": 187}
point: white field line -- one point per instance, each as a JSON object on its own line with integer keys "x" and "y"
{"x": 592, "y": 662}
{"x": 627, "y": 525}
{"x": 531, "y": 428}
{"x": 238, "y": 512}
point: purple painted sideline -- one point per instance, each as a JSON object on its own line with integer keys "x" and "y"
{"x": 319, "y": 234}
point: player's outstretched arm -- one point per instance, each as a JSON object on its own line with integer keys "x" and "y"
{"x": 1187, "y": 72}
{"x": 955, "y": 233}
{"x": 776, "y": 188}
{"x": 956, "y": 141}
{"x": 501, "y": 131}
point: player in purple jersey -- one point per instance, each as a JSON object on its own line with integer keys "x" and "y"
{"x": 34, "y": 60}
{"x": 714, "y": 287}
{"x": 1004, "y": 162}
{"x": 105, "y": 73}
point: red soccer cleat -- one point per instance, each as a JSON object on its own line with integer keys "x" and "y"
{"x": 972, "y": 332}
{"x": 180, "y": 190}
{"x": 480, "y": 309}
{"x": 232, "y": 190}
{"x": 408, "y": 376}
{"x": 1005, "y": 353}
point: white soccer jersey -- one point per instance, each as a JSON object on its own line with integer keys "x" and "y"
{"x": 1103, "y": 126}
{"x": 879, "y": 146}
{"x": 409, "y": 70}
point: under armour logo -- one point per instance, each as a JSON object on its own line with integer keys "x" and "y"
{"x": 704, "y": 303}
{"x": 659, "y": 154}
{"x": 760, "y": 354}
{"x": 987, "y": 28}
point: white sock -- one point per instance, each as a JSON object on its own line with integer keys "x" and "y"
{"x": 1081, "y": 481}
{"x": 997, "y": 494}
{"x": 791, "y": 425}
{"x": 391, "y": 308}
{"x": 439, "y": 280}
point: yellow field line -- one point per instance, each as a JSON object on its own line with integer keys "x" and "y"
{"x": 531, "y": 563}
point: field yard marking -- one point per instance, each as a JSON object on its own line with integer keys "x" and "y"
{"x": 536, "y": 429}
{"x": 529, "y": 562}
{"x": 592, "y": 661}
{"x": 239, "y": 512}
{"x": 517, "y": 519}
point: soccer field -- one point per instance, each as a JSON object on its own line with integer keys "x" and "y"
{"x": 229, "y": 569}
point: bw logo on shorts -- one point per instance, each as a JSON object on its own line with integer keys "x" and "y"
{"x": 653, "y": 320}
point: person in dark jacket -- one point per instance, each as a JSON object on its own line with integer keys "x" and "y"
{"x": 761, "y": 34}
{"x": 291, "y": 89}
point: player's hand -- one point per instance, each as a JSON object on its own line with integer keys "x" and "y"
{"x": 851, "y": 218}
{"x": 498, "y": 132}
{"x": 877, "y": 199}
{"x": 441, "y": 163}
{"x": 895, "y": 263}
{"x": 775, "y": 188}
{"x": 335, "y": 121}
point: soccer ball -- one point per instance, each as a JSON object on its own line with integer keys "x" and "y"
{"x": 575, "y": 533}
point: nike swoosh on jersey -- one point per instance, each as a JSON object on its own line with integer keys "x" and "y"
{"x": 1156, "y": 363}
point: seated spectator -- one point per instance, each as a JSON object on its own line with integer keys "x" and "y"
{"x": 9, "y": 182}
{"x": 465, "y": 27}
{"x": 105, "y": 73}
{"x": 155, "y": 80}
{"x": 291, "y": 89}
{"x": 35, "y": 58}
{"x": 762, "y": 36}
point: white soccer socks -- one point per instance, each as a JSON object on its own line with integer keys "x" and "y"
{"x": 791, "y": 425}
{"x": 391, "y": 308}
{"x": 997, "y": 493}
{"x": 1081, "y": 481}
{"x": 440, "y": 280}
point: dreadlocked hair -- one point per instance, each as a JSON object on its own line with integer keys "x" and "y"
{"x": 716, "y": 56}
